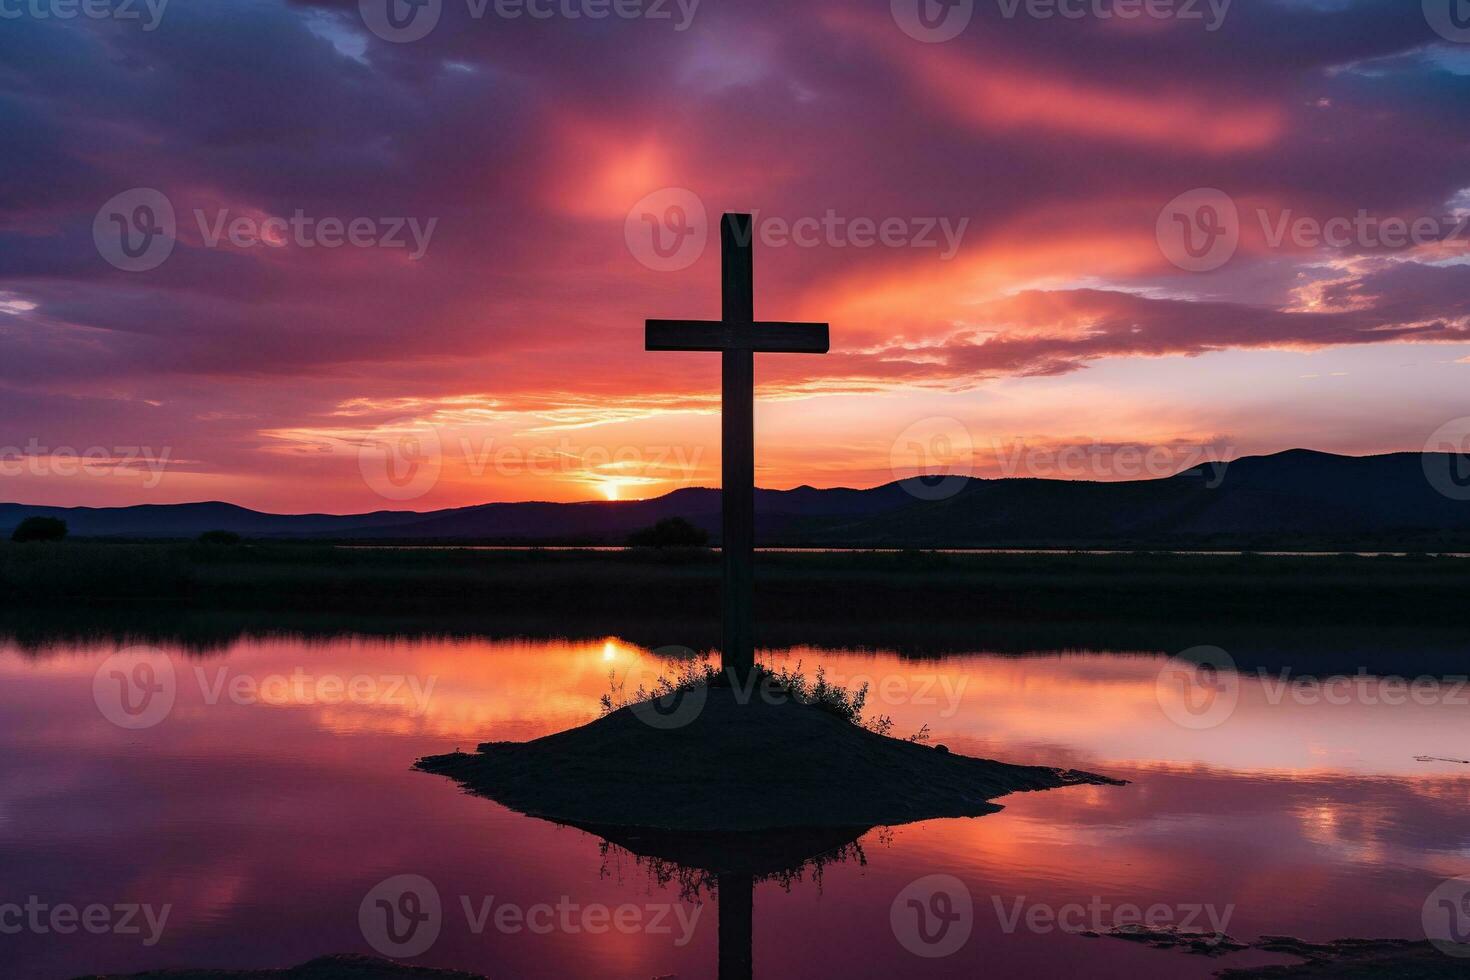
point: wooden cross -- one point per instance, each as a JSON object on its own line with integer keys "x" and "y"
{"x": 737, "y": 335}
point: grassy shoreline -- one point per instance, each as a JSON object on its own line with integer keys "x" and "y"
{"x": 811, "y": 587}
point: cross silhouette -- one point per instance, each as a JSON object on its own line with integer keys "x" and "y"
{"x": 737, "y": 335}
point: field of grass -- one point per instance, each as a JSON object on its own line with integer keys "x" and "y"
{"x": 791, "y": 587}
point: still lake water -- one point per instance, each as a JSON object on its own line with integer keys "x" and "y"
{"x": 267, "y": 803}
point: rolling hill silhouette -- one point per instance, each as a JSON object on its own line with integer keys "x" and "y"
{"x": 1293, "y": 498}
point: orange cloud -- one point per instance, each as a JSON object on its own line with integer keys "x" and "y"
{"x": 996, "y": 96}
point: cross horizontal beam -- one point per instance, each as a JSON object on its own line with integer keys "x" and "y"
{"x": 770, "y": 336}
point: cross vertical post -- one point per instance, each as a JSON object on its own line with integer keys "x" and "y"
{"x": 737, "y": 450}
{"x": 737, "y": 335}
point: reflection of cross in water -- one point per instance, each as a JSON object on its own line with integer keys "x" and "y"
{"x": 737, "y": 937}
{"x": 737, "y": 335}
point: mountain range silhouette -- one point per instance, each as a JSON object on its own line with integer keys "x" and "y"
{"x": 1293, "y": 498}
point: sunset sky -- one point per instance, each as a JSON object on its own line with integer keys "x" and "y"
{"x": 1028, "y": 291}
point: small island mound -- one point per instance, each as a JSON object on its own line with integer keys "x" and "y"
{"x": 712, "y": 758}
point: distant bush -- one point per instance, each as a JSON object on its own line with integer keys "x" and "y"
{"x": 671, "y": 532}
{"x": 40, "y": 529}
{"x": 219, "y": 537}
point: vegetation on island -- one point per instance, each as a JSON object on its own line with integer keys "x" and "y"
{"x": 781, "y": 684}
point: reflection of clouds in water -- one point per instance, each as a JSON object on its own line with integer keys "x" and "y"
{"x": 274, "y": 823}
{"x": 1083, "y": 709}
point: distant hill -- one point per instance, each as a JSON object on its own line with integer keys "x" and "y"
{"x": 1294, "y": 499}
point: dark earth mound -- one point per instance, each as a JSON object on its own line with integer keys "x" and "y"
{"x": 719, "y": 762}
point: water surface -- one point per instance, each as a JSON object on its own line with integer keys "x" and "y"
{"x": 277, "y": 793}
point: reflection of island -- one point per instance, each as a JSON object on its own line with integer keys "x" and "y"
{"x": 729, "y": 865}
{"x": 731, "y": 786}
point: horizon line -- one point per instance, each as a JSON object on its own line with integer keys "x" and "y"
{"x": 715, "y": 489}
